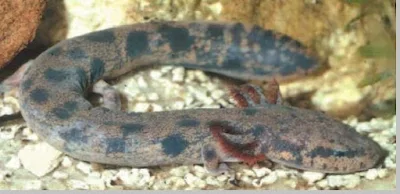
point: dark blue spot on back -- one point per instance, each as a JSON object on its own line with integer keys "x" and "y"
{"x": 215, "y": 31}
{"x": 173, "y": 145}
{"x": 178, "y": 38}
{"x": 188, "y": 123}
{"x": 255, "y": 35}
{"x": 287, "y": 69}
{"x": 137, "y": 44}
{"x": 233, "y": 60}
{"x": 236, "y": 31}
{"x": 39, "y": 95}
{"x": 53, "y": 75}
{"x": 71, "y": 106}
{"x": 106, "y": 36}
{"x": 61, "y": 113}
{"x": 258, "y": 130}
{"x": 250, "y": 111}
{"x": 76, "y": 53}
{"x": 66, "y": 111}
{"x": 74, "y": 135}
{"x": 131, "y": 128}
{"x": 115, "y": 145}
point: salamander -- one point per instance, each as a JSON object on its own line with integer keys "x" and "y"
{"x": 53, "y": 90}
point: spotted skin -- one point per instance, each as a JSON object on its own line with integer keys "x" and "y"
{"x": 53, "y": 89}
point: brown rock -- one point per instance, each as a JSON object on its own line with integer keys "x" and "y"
{"x": 18, "y": 23}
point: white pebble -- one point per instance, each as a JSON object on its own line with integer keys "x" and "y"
{"x": 13, "y": 163}
{"x": 60, "y": 175}
{"x": 66, "y": 162}
{"x": 84, "y": 167}
{"x": 382, "y": 173}
{"x": 200, "y": 171}
{"x": 312, "y": 177}
{"x": 141, "y": 98}
{"x": 211, "y": 180}
{"x": 189, "y": 100}
{"x": 335, "y": 180}
{"x": 246, "y": 180}
{"x": 323, "y": 183}
{"x": 189, "y": 76}
{"x": 282, "y": 173}
{"x": 141, "y": 82}
{"x": 33, "y": 185}
{"x": 142, "y": 176}
{"x": 77, "y": 184}
{"x": 201, "y": 76}
{"x": 260, "y": 172}
{"x": 222, "y": 178}
{"x": 165, "y": 69}
{"x": 292, "y": 183}
{"x": 210, "y": 85}
{"x": 269, "y": 179}
{"x": 209, "y": 102}
{"x": 224, "y": 103}
{"x": 155, "y": 74}
{"x": 347, "y": 181}
{"x": 29, "y": 135}
{"x": 178, "y": 74}
{"x": 194, "y": 181}
{"x": 390, "y": 163}
{"x": 95, "y": 183}
{"x": 248, "y": 172}
{"x": 217, "y": 94}
{"x": 256, "y": 183}
{"x": 372, "y": 174}
{"x": 153, "y": 96}
{"x": 141, "y": 107}
{"x": 175, "y": 182}
{"x": 379, "y": 123}
{"x": 160, "y": 185}
{"x": 95, "y": 174}
{"x": 49, "y": 158}
{"x": 199, "y": 93}
{"x": 178, "y": 105}
{"x": 157, "y": 107}
{"x": 179, "y": 171}
{"x": 352, "y": 181}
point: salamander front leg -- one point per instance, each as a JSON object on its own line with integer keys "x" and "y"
{"x": 111, "y": 96}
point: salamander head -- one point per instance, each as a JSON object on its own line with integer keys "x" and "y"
{"x": 313, "y": 141}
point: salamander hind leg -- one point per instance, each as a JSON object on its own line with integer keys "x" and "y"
{"x": 249, "y": 95}
{"x": 111, "y": 96}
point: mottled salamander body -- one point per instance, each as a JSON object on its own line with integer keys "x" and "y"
{"x": 53, "y": 88}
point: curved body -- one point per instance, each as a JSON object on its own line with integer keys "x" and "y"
{"x": 52, "y": 98}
